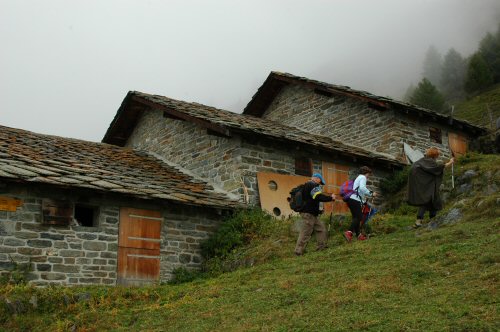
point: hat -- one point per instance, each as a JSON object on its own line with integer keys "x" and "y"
{"x": 317, "y": 175}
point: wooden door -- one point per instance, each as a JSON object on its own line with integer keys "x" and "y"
{"x": 335, "y": 175}
{"x": 139, "y": 246}
{"x": 458, "y": 144}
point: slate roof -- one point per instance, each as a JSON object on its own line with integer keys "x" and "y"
{"x": 277, "y": 80}
{"x": 226, "y": 123}
{"x": 64, "y": 162}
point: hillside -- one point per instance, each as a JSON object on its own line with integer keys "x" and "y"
{"x": 483, "y": 109}
{"x": 440, "y": 278}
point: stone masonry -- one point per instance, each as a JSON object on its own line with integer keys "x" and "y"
{"x": 353, "y": 121}
{"x": 228, "y": 163}
{"x": 77, "y": 255}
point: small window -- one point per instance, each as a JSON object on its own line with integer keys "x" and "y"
{"x": 85, "y": 215}
{"x": 303, "y": 166}
{"x": 273, "y": 185}
{"x": 435, "y": 135}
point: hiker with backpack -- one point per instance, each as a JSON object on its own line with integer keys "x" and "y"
{"x": 358, "y": 197}
{"x": 424, "y": 180}
{"x": 309, "y": 211}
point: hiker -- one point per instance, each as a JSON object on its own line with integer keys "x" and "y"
{"x": 356, "y": 202}
{"x": 312, "y": 196}
{"x": 424, "y": 180}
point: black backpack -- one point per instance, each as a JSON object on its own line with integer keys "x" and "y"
{"x": 296, "y": 199}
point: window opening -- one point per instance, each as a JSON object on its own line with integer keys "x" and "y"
{"x": 273, "y": 185}
{"x": 303, "y": 166}
{"x": 85, "y": 215}
{"x": 435, "y": 135}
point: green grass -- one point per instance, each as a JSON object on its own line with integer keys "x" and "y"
{"x": 477, "y": 109}
{"x": 400, "y": 280}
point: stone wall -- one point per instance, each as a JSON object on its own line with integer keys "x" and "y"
{"x": 353, "y": 121}
{"x": 77, "y": 255}
{"x": 231, "y": 164}
{"x": 184, "y": 229}
{"x": 213, "y": 158}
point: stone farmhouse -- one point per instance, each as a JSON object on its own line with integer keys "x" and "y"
{"x": 259, "y": 160}
{"x": 375, "y": 123}
{"x": 91, "y": 213}
{"x": 133, "y": 208}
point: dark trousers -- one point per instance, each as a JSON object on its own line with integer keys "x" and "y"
{"x": 357, "y": 215}
{"x": 427, "y": 207}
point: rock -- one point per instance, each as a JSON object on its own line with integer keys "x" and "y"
{"x": 432, "y": 225}
{"x": 83, "y": 297}
{"x": 466, "y": 176}
{"x": 460, "y": 203}
{"x": 453, "y": 216}
{"x": 465, "y": 188}
{"x": 15, "y": 307}
{"x": 492, "y": 189}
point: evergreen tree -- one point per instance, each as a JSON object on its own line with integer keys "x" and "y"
{"x": 427, "y": 95}
{"x": 489, "y": 47}
{"x": 479, "y": 75}
{"x": 433, "y": 63}
{"x": 453, "y": 75}
{"x": 409, "y": 93}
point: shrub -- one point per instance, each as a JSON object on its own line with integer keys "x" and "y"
{"x": 395, "y": 183}
{"x": 237, "y": 231}
{"x": 182, "y": 275}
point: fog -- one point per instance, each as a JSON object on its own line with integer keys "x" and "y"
{"x": 65, "y": 66}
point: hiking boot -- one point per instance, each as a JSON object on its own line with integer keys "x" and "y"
{"x": 362, "y": 237}
{"x": 348, "y": 236}
{"x": 417, "y": 224}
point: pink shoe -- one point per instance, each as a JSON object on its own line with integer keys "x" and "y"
{"x": 362, "y": 237}
{"x": 348, "y": 236}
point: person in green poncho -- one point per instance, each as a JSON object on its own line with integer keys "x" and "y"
{"x": 425, "y": 178}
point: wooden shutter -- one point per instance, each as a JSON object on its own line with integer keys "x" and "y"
{"x": 57, "y": 212}
{"x": 303, "y": 166}
{"x": 435, "y": 135}
{"x": 139, "y": 246}
{"x": 335, "y": 175}
{"x": 458, "y": 144}
{"x": 9, "y": 204}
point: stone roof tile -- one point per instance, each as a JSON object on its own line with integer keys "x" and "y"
{"x": 264, "y": 127}
{"x": 36, "y": 158}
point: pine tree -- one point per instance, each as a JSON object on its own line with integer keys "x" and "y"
{"x": 479, "y": 75}
{"x": 409, "y": 92}
{"x": 433, "y": 63}
{"x": 427, "y": 95}
{"x": 489, "y": 47}
{"x": 453, "y": 75}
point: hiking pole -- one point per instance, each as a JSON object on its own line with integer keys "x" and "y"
{"x": 330, "y": 222}
{"x": 452, "y": 171}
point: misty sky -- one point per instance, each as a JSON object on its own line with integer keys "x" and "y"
{"x": 65, "y": 66}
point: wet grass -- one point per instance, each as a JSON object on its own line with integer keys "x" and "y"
{"x": 400, "y": 280}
